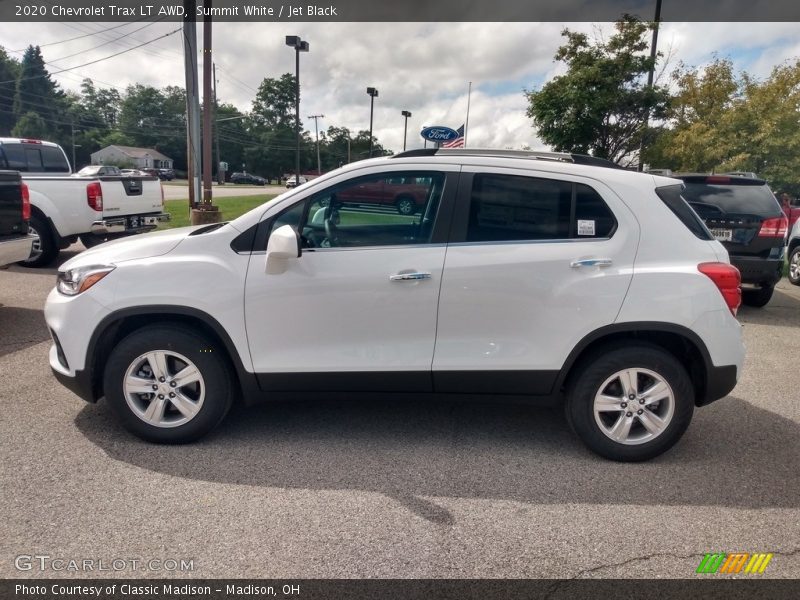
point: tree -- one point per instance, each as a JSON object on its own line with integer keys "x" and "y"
{"x": 37, "y": 93}
{"x": 602, "y": 103}
{"x": 31, "y": 125}
{"x": 273, "y": 106}
{"x": 9, "y": 72}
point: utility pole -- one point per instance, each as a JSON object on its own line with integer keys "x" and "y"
{"x": 220, "y": 173}
{"x": 294, "y": 41}
{"x": 316, "y": 129}
{"x": 372, "y": 93}
{"x": 74, "y": 164}
{"x": 653, "y": 51}
{"x": 208, "y": 109}
{"x": 192, "y": 104}
{"x": 348, "y": 148}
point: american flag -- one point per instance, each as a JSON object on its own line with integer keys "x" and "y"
{"x": 458, "y": 142}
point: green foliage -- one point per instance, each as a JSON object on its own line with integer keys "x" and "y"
{"x": 719, "y": 121}
{"x": 31, "y": 125}
{"x": 601, "y": 104}
{"x": 9, "y": 72}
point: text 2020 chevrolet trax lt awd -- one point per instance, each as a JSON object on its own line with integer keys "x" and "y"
{"x": 524, "y": 276}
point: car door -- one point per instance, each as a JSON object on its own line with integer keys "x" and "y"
{"x": 357, "y": 309}
{"x": 534, "y": 265}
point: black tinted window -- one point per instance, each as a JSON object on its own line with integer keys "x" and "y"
{"x": 514, "y": 208}
{"x": 711, "y": 200}
{"x": 54, "y": 160}
{"x": 671, "y": 196}
{"x": 33, "y": 157}
{"x": 15, "y": 157}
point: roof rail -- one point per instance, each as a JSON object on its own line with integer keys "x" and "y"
{"x": 578, "y": 159}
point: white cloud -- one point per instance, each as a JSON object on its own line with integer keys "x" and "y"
{"x": 421, "y": 67}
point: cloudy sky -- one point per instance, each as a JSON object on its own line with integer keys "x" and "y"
{"x": 421, "y": 67}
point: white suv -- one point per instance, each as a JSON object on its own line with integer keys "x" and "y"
{"x": 525, "y": 276}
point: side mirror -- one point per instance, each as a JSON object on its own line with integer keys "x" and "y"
{"x": 283, "y": 246}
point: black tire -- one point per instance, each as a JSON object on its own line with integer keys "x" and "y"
{"x": 794, "y": 266}
{"x": 406, "y": 205}
{"x": 207, "y": 357}
{"x": 45, "y": 249}
{"x": 90, "y": 240}
{"x": 592, "y": 373}
{"x": 758, "y": 298}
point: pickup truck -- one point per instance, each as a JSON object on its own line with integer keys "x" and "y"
{"x": 95, "y": 205}
{"x": 15, "y": 210}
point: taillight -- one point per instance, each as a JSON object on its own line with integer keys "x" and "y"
{"x": 94, "y": 195}
{"x": 727, "y": 279}
{"x": 26, "y": 202}
{"x": 776, "y": 227}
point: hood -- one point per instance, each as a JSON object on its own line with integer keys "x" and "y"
{"x": 145, "y": 245}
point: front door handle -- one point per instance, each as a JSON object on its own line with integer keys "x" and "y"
{"x": 409, "y": 276}
{"x": 591, "y": 262}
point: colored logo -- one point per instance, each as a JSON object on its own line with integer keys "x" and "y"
{"x": 439, "y": 134}
{"x": 736, "y": 562}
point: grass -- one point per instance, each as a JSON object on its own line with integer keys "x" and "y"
{"x": 229, "y": 207}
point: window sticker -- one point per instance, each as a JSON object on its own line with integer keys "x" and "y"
{"x": 585, "y": 227}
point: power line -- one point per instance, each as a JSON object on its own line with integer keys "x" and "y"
{"x": 78, "y": 37}
{"x": 92, "y": 62}
{"x": 106, "y": 43}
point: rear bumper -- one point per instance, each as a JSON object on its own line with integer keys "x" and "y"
{"x": 760, "y": 271}
{"x": 720, "y": 383}
{"x": 15, "y": 249}
{"x": 129, "y": 224}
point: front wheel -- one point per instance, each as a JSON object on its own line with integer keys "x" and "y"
{"x": 758, "y": 298}
{"x": 631, "y": 403}
{"x": 168, "y": 384}
{"x": 794, "y": 266}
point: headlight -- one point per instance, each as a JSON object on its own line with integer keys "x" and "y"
{"x": 80, "y": 279}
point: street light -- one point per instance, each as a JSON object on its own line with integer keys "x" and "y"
{"x": 406, "y": 114}
{"x": 372, "y": 93}
{"x": 299, "y": 46}
{"x": 316, "y": 129}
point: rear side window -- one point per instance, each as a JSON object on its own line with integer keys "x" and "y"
{"x": 671, "y": 196}
{"x": 713, "y": 200}
{"x": 33, "y": 158}
{"x": 516, "y": 208}
{"x": 54, "y": 160}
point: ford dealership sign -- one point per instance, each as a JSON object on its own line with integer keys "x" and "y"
{"x": 439, "y": 134}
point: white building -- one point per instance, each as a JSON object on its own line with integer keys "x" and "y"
{"x": 138, "y": 158}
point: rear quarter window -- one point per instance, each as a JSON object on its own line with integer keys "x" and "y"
{"x": 672, "y": 196}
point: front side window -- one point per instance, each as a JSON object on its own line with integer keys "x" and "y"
{"x": 515, "y": 208}
{"x": 375, "y": 210}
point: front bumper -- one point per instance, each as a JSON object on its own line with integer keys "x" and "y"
{"x": 129, "y": 224}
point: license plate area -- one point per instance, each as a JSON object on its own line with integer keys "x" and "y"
{"x": 722, "y": 235}
{"x": 136, "y": 222}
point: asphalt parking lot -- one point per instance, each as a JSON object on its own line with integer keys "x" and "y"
{"x": 388, "y": 489}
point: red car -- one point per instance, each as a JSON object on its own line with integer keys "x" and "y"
{"x": 407, "y": 195}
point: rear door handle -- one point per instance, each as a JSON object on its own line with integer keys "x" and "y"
{"x": 409, "y": 276}
{"x": 591, "y": 262}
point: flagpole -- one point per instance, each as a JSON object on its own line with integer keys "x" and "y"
{"x": 466, "y": 123}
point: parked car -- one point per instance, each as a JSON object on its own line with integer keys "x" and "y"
{"x": 294, "y": 181}
{"x": 15, "y": 211}
{"x": 166, "y": 174}
{"x": 406, "y": 195}
{"x": 743, "y": 214}
{"x": 94, "y": 204}
{"x": 248, "y": 178}
{"x": 793, "y": 252}
{"x": 524, "y": 277}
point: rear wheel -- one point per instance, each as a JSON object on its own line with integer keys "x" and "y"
{"x": 44, "y": 249}
{"x": 759, "y": 297}
{"x": 794, "y": 266}
{"x": 630, "y": 403}
{"x": 168, "y": 384}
